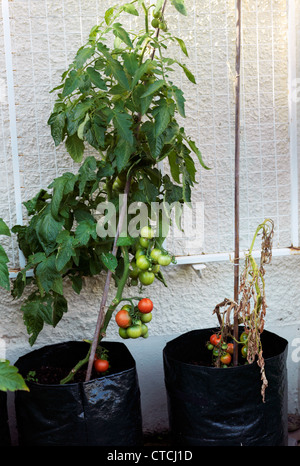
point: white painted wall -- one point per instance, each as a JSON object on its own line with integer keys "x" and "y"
{"x": 45, "y": 35}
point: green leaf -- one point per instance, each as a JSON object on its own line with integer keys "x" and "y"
{"x": 162, "y": 117}
{"x": 65, "y": 250}
{"x": 131, "y": 63}
{"x": 195, "y": 149}
{"x": 48, "y": 274}
{"x": 83, "y": 54}
{"x": 188, "y": 73}
{"x": 108, "y": 14}
{"x": 146, "y": 67}
{"x": 10, "y": 379}
{"x": 126, "y": 241}
{"x": 57, "y": 123}
{"x": 129, "y": 8}
{"x": 71, "y": 83}
{"x": 122, "y": 34}
{"x": 109, "y": 261}
{"x": 37, "y": 203}
{"x": 36, "y": 311}
{"x": 182, "y": 45}
{"x": 75, "y": 147}
{"x": 61, "y": 186}
{"x": 96, "y": 79}
{"x": 4, "y": 276}
{"x": 123, "y": 152}
{"x": 47, "y": 229}
{"x": 154, "y": 87}
{"x": 60, "y": 306}
{"x": 114, "y": 67}
{"x": 123, "y": 122}
{"x": 84, "y": 231}
{"x": 179, "y": 99}
{"x": 76, "y": 283}
{"x": 4, "y": 230}
{"x": 179, "y": 5}
{"x": 174, "y": 166}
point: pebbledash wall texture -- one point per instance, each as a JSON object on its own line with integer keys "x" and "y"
{"x": 45, "y": 36}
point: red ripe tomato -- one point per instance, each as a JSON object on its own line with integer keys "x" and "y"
{"x": 145, "y": 305}
{"x": 101, "y": 365}
{"x": 225, "y": 358}
{"x": 215, "y": 339}
{"x": 123, "y": 318}
{"x": 230, "y": 348}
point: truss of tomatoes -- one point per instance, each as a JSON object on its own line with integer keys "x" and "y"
{"x": 132, "y": 321}
{"x": 148, "y": 259}
{"x": 224, "y": 351}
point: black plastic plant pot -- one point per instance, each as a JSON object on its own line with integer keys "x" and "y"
{"x": 104, "y": 411}
{"x": 4, "y": 427}
{"x": 211, "y": 406}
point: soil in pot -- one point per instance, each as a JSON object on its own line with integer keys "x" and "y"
{"x": 104, "y": 411}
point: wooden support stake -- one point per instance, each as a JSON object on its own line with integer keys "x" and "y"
{"x": 237, "y": 172}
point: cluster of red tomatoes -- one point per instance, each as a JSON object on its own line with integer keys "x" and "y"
{"x": 133, "y": 322}
{"x": 224, "y": 351}
{"x": 147, "y": 259}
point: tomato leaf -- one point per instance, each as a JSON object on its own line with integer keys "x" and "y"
{"x": 57, "y": 123}
{"x": 75, "y": 147}
{"x": 122, "y": 34}
{"x": 96, "y": 79}
{"x": 47, "y": 229}
{"x": 10, "y": 379}
{"x": 4, "y": 230}
{"x": 109, "y": 261}
{"x": 179, "y": 5}
{"x": 84, "y": 231}
{"x": 36, "y": 310}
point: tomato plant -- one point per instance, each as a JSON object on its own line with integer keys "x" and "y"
{"x": 122, "y": 103}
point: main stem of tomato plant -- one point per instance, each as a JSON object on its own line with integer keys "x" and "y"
{"x": 101, "y": 314}
{"x": 237, "y": 174}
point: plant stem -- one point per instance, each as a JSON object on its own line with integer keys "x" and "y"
{"x": 101, "y": 314}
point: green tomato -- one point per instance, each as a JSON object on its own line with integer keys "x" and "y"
{"x": 143, "y": 263}
{"x": 156, "y": 14}
{"x": 244, "y": 337}
{"x": 244, "y": 351}
{"x": 139, "y": 252}
{"x": 155, "y": 268}
{"x": 155, "y": 23}
{"x": 144, "y": 242}
{"x": 147, "y": 232}
{"x": 134, "y": 272}
{"x": 155, "y": 254}
{"x": 134, "y": 282}
{"x": 164, "y": 259}
{"x": 146, "y": 278}
{"x": 127, "y": 307}
{"x": 134, "y": 331}
{"x": 145, "y": 318}
{"x": 144, "y": 329}
{"x": 123, "y": 333}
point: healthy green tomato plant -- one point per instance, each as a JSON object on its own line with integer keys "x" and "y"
{"x": 120, "y": 101}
